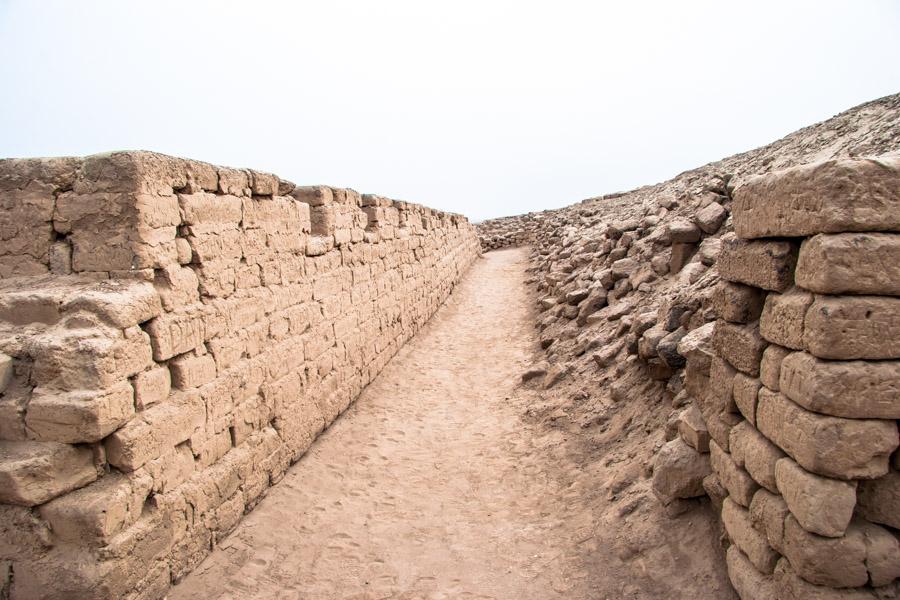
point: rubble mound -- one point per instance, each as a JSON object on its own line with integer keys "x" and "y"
{"x": 630, "y": 287}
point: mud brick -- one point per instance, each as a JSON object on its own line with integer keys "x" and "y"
{"x": 171, "y": 469}
{"x": 854, "y": 389}
{"x": 208, "y": 447}
{"x": 155, "y": 211}
{"x": 276, "y": 215}
{"x": 220, "y": 244}
{"x": 770, "y": 367}
{"x": 317, "y": 245}
{"x": 736, "y": 480}
{"x": 32, "y": 473}
{"x": 783, "y": 317}
{"x": 97, "y": 249}
{"x": 851, "y": 263}
{"x": 882, "y": 553}
{"x": 190, "y": 371}
{"x": 749, "y": 583}
{"x": 79, "y": 416}
{"x": 751, "y": 450}
{"x": 286, "y": 242}
{"x": 89, "y": 359}
{"x": 745, "y": 390}
{"x": 848, "y": 327}
{"x": 752, "y": 543}
{"x": 95, "y": 513}
{"x": 318, "y": 195}
{"x": 253, "y": 245}
{"x": 789, "y": 586}
{"x": 767, "y": 264}
{"x": 246, "y": 276}
{"x": 740, "y": 345}
{"x": 692, "y": 429}
{"x": 821, "y": 505}
{"x": 829, "y": 446}
{"x": 322, "y": 220}
{"x": 878, "y": 500}
{"x": 738, "y": 303}
{"x": 209, "y": 212}
{"x": 834, "y": 562}
{"x": 768, "y": 512}
{"x": 119, "y": 303}
{"x": 151, "y": 249}
{"x": 836, "y": 195}
{"x": 263, "y": 184}
{"x": 177, "y": 332}
{"x": 155, "y": 430}
{"x": 719, "y": 396}
{"x": 235, "y": 182}
{"x": 176, "y": 287}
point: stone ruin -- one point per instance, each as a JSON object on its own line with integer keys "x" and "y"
{"x": 174, "y": 335}
{"x": 768, "y": 312}
{"x": 793, "y": 429}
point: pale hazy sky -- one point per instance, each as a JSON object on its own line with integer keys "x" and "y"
{"x": 484, "y": 108}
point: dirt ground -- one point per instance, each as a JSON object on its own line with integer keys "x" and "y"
{"x": 439, "y": 483}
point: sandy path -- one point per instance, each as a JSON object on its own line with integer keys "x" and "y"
{"x": 429, "y": 486}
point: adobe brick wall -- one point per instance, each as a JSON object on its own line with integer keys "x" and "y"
{"x": 800, "y": 392}
{"x": 508, "y": 232}
{"x": 174, "y": 336}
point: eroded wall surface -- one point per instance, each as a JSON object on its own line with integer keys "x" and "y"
{"x": 174, "y": 336}
{"x": 793, "y": 426}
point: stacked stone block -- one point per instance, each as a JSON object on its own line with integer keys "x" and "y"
{"x": 174, "y": 336}
{"x": 802, "y": 391}
{"x": 508, "y": 232}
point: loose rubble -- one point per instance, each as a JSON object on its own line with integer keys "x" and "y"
{"x": 743, "y": 351}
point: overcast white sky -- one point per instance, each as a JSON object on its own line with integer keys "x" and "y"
{"x": 484, "y": 108}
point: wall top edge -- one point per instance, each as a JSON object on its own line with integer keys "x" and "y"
{"x": 154, "y": 173}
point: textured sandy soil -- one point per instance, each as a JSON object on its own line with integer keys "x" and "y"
{"x": 433, "y": 485}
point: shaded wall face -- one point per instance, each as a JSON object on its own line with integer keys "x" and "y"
{"x": 798, "y": 390}
{"x": 175, "y": 335}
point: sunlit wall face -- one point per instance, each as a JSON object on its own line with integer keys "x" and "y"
{"x": 484, "y": 108}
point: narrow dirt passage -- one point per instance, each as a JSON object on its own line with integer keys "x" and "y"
{"x": 430, "y": 485}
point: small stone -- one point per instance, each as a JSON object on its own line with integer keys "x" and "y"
{"x": 711, "y": 217}
{"x": 667, "y": 349}
{"x": 534, "y": 373}
{"x": 692, "y": 429}
{"x": 738, "y": 303}
{"x": 678, "y": 471}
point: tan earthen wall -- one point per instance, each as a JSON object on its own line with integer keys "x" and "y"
{"x": 175, "y": 335}
{"x": 801, "y": 394}
{"x": 508, "y": 232}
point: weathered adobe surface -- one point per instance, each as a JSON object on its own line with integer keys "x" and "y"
{"x": 175, "y": 335}
{"x": 634, "y": 286}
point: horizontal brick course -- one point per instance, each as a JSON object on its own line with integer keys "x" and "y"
{"x": 230, "y": 314}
